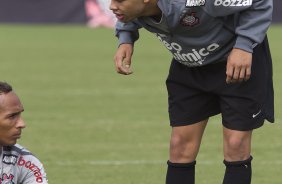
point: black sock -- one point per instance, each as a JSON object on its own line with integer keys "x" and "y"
{"x": 180, "y": 173}
{"x": 239, "y": 172}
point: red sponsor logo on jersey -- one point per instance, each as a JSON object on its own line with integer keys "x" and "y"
{"x": 7, "y": 179}
{"x": 32, "y": 167}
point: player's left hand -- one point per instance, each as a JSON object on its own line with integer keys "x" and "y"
{"x": 238, "y": 66}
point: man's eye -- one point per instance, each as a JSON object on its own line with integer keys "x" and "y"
{"x": 13, "y": 116}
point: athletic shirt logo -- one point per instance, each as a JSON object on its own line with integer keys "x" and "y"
{"x": 195, "y": 3}
{"x": 189, "y": 19}
{"x": 9, "y": 159}
{"x": 7, "y": 179}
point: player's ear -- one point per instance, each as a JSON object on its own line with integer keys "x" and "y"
{"x": 146, "y": 1}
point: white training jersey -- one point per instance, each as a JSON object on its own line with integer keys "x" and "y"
{"x": 19, "y": 166}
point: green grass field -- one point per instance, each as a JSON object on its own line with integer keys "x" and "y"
{"x": 90, "y": 125}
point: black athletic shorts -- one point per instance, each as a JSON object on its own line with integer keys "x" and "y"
{"x": 195, "y": 94}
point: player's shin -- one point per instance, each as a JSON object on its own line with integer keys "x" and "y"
{"x": 238, "y": 172}
{"x": 180, "y": 173}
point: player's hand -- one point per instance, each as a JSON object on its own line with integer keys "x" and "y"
{"x": 123, "y": 59}
{"x": 238, "y": 66}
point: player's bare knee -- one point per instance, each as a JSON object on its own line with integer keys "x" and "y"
{"x": 236, "y": 148}
{"x": 182, "y": 156}
{"x": 182, "y": 150}
{"x": 234, "y": 142}
{"x": 176, "y": 143}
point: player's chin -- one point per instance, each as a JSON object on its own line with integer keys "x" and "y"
{"x": 128, "y": 19}
{"x": 124, "y": 21}
{"x": 11, "y": 142}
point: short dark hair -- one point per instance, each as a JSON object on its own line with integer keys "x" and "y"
{"x": 5, "y": 88}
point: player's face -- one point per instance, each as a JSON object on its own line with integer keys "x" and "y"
{"x": 127, "y": 10}
{"x": 11, "y": 122}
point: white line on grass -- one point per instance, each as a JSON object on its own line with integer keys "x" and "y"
{"x": 144, "y": 162}
{"x": 111, "y": 162}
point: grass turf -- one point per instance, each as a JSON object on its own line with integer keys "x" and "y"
{"x": 89, "y": 125}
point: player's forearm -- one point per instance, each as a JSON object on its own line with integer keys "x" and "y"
{"x": 253, "y": 24}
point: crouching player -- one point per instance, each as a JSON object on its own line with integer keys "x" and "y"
{"x": 17, "y": 165}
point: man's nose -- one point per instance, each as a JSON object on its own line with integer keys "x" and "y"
{"x": 21, "y": 123}
{"x": 113, "y": 5}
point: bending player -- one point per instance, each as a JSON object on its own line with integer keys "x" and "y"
{"x": 221, "y": 64}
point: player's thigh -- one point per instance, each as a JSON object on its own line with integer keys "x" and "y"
{"x": 185, "y": 142}
{"x": 236, "y": 144}
{"x": 188, "y": 100}
{"x": 242, "y": 114}
{"x": 189, "y": 133}
{"x": 246, "y": 105}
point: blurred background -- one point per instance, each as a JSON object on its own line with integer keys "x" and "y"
{"x": 94, "y": 13}
{"x": 88, "y": 124}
